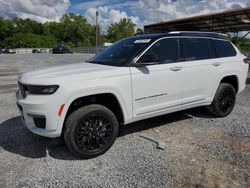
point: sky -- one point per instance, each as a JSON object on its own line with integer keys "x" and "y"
{"x": 141, "y": 12}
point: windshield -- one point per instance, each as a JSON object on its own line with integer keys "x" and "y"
{"x": 120, "y": 52}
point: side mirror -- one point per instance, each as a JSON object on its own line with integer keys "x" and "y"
{"x": 147, "y": 59}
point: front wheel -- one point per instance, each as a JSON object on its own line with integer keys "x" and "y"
{"x": 90, "y": 131}
{"x": 224, "y": 100}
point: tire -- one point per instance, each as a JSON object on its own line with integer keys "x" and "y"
{"x": 90, "y": 131}
{"x": 224, "y": 101}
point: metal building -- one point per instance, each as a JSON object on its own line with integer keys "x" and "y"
{"x": 223, "y": 22}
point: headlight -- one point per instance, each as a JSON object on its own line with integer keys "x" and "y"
{"x": 42, "y": 90}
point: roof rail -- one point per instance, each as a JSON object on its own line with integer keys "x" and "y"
{"x": 197, "y": 33}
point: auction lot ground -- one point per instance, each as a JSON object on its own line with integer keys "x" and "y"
{"x": 200, "y": 151}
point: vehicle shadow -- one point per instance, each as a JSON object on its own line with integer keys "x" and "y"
{"x": 15, "y": 138}
{"x": 152, "y": 123}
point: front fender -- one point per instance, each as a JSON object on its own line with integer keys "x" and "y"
{"x": 127, "y": 114}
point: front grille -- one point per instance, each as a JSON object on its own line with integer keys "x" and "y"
{"x": 22, "y": 90}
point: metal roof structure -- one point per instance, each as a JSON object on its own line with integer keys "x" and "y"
{"x": 222, "y": 22}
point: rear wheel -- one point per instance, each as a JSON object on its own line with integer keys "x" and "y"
{"x": 90, "y": 131}
{"x": 224, "y": 100}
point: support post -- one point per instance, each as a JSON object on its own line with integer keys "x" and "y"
{"x": 97, "y": 31}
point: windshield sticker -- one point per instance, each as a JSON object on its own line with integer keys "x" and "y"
{"x": 142, "y": 41}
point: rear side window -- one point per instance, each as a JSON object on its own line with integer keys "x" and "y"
{"x": 224, "y": 48}
{"x": 196, "y": 49}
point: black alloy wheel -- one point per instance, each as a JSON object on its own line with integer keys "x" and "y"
{"x": 224, "y": 100}
{"x": 90, "y": 131}
{"x": 93, "y": 132}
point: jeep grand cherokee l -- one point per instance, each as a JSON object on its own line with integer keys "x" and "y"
{"x": 136, "y": 78}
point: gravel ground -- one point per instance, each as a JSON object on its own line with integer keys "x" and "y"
{"x": 200, "y": 151}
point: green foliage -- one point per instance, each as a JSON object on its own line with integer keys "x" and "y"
{"x": 27, "y": 26}
{"x": 76, "y": 30}
{"x": 72, "y": 30}
{"x": 6, "y": 28}
{"x": 139, "y": 31}
{"x": 242, "y": 44}
{"x": 30, "y": 40}
{"x": 124, "y": 28}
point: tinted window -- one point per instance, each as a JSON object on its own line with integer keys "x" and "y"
{"x": 212, "y": 51}
{"x": 224, "y": 48}
{"x": 164, "y": 51}
{"x": 196, "y": 49}
{"x": 121, "y": 52}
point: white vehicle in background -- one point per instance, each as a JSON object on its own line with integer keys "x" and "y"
{"x": 136, "y": 78}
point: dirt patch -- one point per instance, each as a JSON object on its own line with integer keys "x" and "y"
{"x": 230, "y": 141}
{"x": 196, "y": 160}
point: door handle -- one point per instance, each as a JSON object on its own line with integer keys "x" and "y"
{"x": 176, "y": 68}
{"x": 216, "y": 64}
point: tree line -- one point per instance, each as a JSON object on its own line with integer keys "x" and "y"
{"x": 71, "y": 30}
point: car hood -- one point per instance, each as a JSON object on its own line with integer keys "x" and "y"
{"x": 65, "y": 73}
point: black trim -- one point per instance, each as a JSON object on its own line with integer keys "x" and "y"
{"x": 152, "y": 96}
{"x": 35, "y": 115}
{"x": 39, "y": 120}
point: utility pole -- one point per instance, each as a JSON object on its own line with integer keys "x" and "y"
{"x": 97, "y": 31}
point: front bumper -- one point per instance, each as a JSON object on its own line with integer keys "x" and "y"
{"x": 39, "y": 114}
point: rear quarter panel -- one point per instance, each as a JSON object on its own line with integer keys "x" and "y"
{"x": 233, "y": 66}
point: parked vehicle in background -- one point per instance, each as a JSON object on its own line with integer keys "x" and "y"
{"x": 136, "y": 78}
{"x": 35, "y": 51}
{"x": 7, "y": 51}
{"x": 60, "y": 49}
{"x": 44, "y": 50}
{"x": 10, "y": 51}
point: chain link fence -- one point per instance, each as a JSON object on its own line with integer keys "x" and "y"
{"x": 87, "y": 50}
{"x": 29, "y": 50}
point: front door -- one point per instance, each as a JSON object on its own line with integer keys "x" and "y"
{"x": 158, "y": 87}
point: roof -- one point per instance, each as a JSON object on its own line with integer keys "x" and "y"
{"x": 226, "y": 21}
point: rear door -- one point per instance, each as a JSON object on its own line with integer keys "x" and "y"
{"x": 201, "y": 72}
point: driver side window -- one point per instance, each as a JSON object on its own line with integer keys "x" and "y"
{"x": 162, "y": 52}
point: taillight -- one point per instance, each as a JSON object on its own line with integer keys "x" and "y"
{"x": 247, "y": 60}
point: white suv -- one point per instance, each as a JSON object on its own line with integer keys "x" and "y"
{"x": 136, "y": 78}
